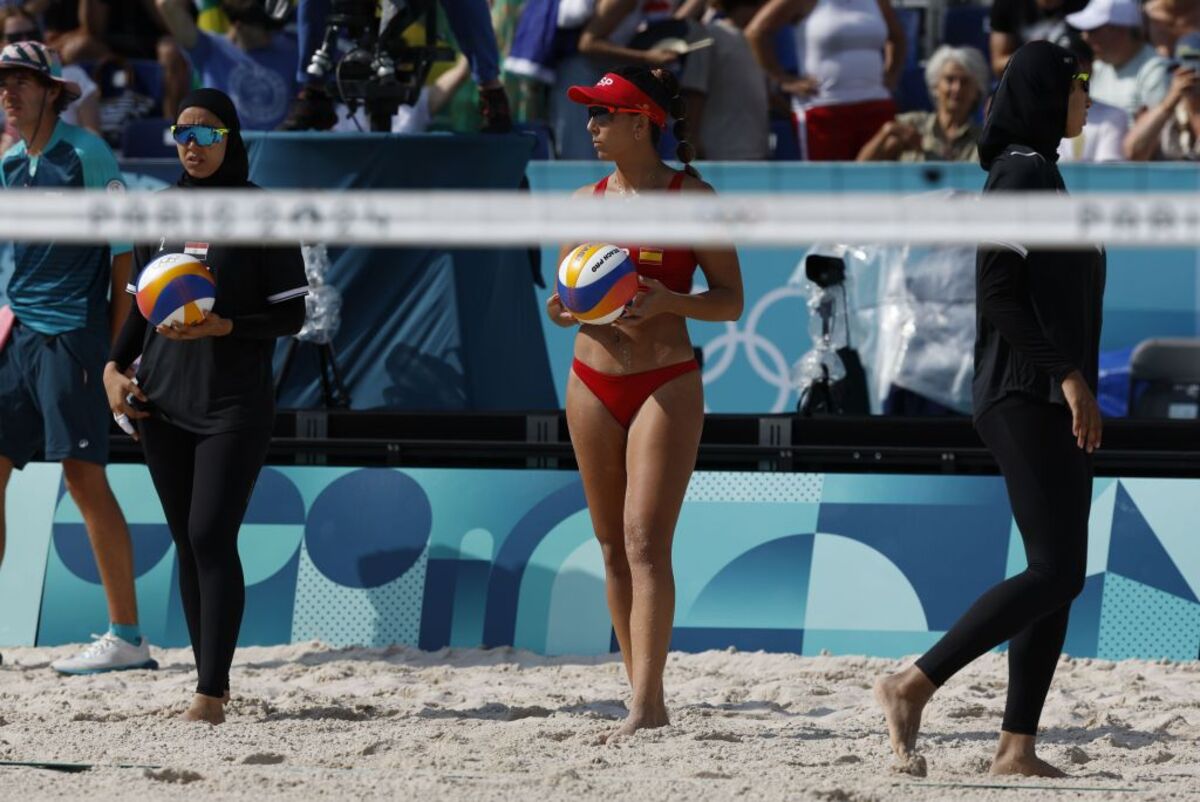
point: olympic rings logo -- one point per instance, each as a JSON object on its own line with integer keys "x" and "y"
{"x": 775, "y": 370}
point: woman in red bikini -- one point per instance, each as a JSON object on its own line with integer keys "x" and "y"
{"x": 635, "y": 405}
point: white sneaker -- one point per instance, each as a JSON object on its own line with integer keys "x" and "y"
{"x": 107, "y": 653}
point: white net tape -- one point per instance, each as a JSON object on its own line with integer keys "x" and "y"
{"x": 477, "y": 219}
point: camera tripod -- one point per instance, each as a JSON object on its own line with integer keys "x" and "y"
{"x": 382, "y": 71}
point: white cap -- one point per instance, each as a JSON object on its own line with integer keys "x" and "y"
{"x": 1122, "y": 13}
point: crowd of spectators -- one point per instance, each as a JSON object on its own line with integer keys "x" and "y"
{"x": 838, "y": 79}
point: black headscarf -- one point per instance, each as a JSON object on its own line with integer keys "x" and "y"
{"x": 234, "y": 171}
{"x": 1030, "y": 105}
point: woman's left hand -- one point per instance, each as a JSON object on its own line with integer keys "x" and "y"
{"x": 213, "y": 325}
{"x": 653, "y": 298}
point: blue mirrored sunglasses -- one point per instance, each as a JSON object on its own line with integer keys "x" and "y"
{"x": 203, "y": 135}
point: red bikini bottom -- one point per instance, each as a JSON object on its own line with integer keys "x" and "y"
{"x": 624, "y": 394}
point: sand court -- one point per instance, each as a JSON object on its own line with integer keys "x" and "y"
{"x": 309, "y": 721}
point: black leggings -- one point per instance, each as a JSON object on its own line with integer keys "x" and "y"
{"x": 204, "y": 483}
{"x": 1049, "y": 482}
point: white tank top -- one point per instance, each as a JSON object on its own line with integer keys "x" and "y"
{"x": 840, "y": 45}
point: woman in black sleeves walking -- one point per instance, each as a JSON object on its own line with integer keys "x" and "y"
{"x": 204, "y": 398}
{"x": 1036, "y": 362}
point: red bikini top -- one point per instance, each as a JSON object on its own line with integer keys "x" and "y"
{"x": 672, "y": 266}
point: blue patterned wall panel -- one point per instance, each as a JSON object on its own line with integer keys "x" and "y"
{"x": 970, "y": 543}
{"x": 1083, "y": 629}
{"x": 1142, "y": 620}
{"x": 1136, "y": 553}
{"x": 1172, "y": 509}
{"x": 767, "y": 585}
{"x": 798, "y": 562}
{"x": 509, "y": 568}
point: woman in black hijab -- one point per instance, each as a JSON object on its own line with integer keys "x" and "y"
{"x": 203, "y": 397}
{"x": 1036, "y": 363}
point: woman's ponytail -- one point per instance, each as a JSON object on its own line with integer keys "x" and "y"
{"x": 684, "y": 151}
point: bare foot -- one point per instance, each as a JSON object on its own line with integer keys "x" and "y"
{"x": 903, "y": 697}
{"x": 206, "y": 709}
{"x": 1026, "y": 766}
{"x": 649, "y": 717}
{"x": 1015, "y": 755}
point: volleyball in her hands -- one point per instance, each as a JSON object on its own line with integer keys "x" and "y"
{"x": 595, "y": 282}
{"x": 175, "y": 288}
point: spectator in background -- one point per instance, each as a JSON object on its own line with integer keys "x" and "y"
{"x": 130, "y": 28}
{"x": 211, "y": 17}
{"x": 958, "y": 78}
{"x": 726, "y": 90}
{"x": 1015, "y": 22}
{"x": 1103, "y": 136}
{"x": 84, "y": 111}
{"x": 251, "y": 64}
{"x": 99, "y": 30}
{"x": 34, "y": 8}
{"x": 1127, "y": 73}
{"x": 122, "y": 99}
{"x": 56, "y": 18}
{"x": 852, "y": 54}
{"x": 67, "y": 301}
{"x": 537, "y": 43}
{"x": 1171, "y": 130}
{"x": 607, "y": 36}
{"x": 1168, "y": 20}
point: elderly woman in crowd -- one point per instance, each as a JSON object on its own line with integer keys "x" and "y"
{"x": 958, "y": 79}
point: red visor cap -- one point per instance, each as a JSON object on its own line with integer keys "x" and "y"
{"x": 615, "y": 92}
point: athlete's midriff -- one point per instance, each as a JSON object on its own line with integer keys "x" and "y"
{"x": 660, "y": 341}
{"x": 652, "y": 343}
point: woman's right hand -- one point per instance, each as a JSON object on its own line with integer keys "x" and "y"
{"x": 118, "y": 386}
{"x": 558, "y": 313}
{"x": 906, "y": 136}
{"x": 1086, "y": 423}
{"x": 661, "y": 58}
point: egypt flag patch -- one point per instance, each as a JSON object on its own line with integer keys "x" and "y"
{"x": 196, "y": 249}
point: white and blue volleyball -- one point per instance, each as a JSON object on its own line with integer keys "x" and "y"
{"x": 175, "y": 288}
{"x": 595, "y": 282}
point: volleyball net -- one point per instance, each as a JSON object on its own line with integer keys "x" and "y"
{"x": 506, "y": 219}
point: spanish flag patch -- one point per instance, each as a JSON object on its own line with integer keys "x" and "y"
{"x": 650, "y": 256}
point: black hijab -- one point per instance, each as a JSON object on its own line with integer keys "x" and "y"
{"x": 234, "y": 171}
{"x": 1030, "y": 106}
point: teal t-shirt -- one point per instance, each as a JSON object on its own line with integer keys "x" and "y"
{"x": 56, "y": 287}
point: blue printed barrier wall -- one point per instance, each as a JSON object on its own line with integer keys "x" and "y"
{"x": 876, "y": 565}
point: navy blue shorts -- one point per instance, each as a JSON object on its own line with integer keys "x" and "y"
{"x": 52, "y": 400}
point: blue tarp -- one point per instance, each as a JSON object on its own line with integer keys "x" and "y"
{"x": 422, "y": 329}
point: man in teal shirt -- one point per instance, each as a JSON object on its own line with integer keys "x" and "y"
{"x": 52, "y": 400}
